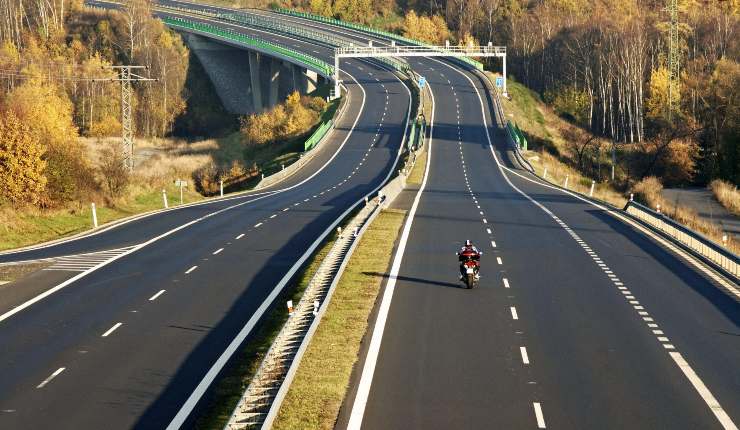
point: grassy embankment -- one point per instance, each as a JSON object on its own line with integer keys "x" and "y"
{"x": 727, "y": 194}
{"x": 322, "y": 380}
{"x": 549, "y": 149}
{"x": 159, "y": 162}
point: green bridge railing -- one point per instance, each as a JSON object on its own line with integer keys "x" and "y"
{"x": 359, "y": 27}
{"x": 316, "y": 136}
{"x": 320, "y": 66}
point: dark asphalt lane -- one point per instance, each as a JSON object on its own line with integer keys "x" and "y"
{"x": 145, "y": 369}
{"x": 451, "y": 358}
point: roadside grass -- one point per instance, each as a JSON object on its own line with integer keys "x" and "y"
{"x": 158, "y": 163}
{"x": 417, "y": 172}
{"x": 549, "y": 149}
{"x": 322, "y": 379}
{"x": 727, "y": 194}
{"x": 231, "y": 384}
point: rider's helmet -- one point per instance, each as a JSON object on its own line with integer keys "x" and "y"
{"x": 468, "y": 243}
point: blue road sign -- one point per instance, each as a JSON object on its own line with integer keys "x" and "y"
{"x": 499, "y": 82}
{"x": 422, "y": 81}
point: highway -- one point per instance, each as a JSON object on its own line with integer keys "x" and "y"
{"x": 580, "y": 321}
{"x": 127, "y": 344}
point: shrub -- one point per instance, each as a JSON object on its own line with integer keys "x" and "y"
{"x": 114, "y": 173}
{"x": 727, "y": 194}
{"x": 648, "y": 192}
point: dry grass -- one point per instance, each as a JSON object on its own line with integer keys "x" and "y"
{"x": 727, "y": 194}
{"x": 417, "y": 172}
{"x": 557, "y": 171}
{"x": 322, "y": 379}
{"x": 649, "y": 192}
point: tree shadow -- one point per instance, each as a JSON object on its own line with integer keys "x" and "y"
{"x": 415, "y": 280}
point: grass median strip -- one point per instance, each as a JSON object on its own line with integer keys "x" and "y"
{"x": 322, "y": 379}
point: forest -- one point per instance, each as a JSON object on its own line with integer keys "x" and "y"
{"x": 602, "y": 65}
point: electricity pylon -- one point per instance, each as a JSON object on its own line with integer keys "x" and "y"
{"x": 125, "y": 77}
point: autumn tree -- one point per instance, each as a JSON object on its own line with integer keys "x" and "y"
{"x": 22, "y": 166}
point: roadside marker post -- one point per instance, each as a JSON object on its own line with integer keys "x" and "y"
{"x": 94, "y": 216}
{"x": 221, "y": 184}
{"x": 164, "y": 199}
{"x": 593, "y": 184}
{"x": 182, "y": 184}
{"x": 290, "y": 307}
{"x": 544, "y": 175}
{"x": 315, "y": 307}
{"x": 565, "y": 185}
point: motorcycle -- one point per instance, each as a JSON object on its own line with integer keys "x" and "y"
{"x": 470, "y": 279}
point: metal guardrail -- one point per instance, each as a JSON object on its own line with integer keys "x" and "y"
{"x": 366, "y": 29}
{"x": 721, "y": 257}
{"x": 317, "y": 135}
{"x": 308, "y": 61}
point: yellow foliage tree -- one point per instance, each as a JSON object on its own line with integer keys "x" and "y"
{"x": 21, "y": 165}
{"x": 656, "y": 104}
{"x": 48, "y": 114}
{"x": 431, "y": 30}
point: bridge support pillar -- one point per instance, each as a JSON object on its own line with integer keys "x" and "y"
{"x": 256, "y": 82}
{"x": 304, "y": 80}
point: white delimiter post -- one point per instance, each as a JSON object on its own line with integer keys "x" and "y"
{"x": 94, "y": 216}
{"x": 164, "y": 199}
{"x": 506, "y": 94}
{"x": 222, "y": 188}
{"x": 336, "y": 75}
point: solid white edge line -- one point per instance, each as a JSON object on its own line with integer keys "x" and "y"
{"x": 52, "y": 376}
{"x": 112, "y": 329}
{"x": 154, "y": 297}
{"x": 208, "y": 378}
{"x": 714, "y": 405}
{"x": 368, "y": 370}
{"x": 538, "y": 415}
{"x": 703, "y": 391}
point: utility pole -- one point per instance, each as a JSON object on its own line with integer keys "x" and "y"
{"x": 125, "y": 77}
{"x": 674, "y": 58}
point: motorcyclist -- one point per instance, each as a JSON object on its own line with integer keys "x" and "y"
{"x": 469, "y": 253}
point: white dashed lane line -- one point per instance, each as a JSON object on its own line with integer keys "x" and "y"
{"x": 514, "y": 315}
{"x": 191, "y": 269}
{"x": 257, "y": 225}
{"x": 506, "y": 283}
{"x": 52, "y": 376}
{"x": 539, "y": 415}
{"x": 240, "y": 236}
{"x": 525, "y": 356}
{"x": 218, "y": 251}
{"x": 498, "y": 260}
{"x": 154, "y": 297}
{"x": 112, "y": 329}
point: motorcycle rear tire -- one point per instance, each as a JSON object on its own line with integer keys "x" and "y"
{"x": 470, "y": 281}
